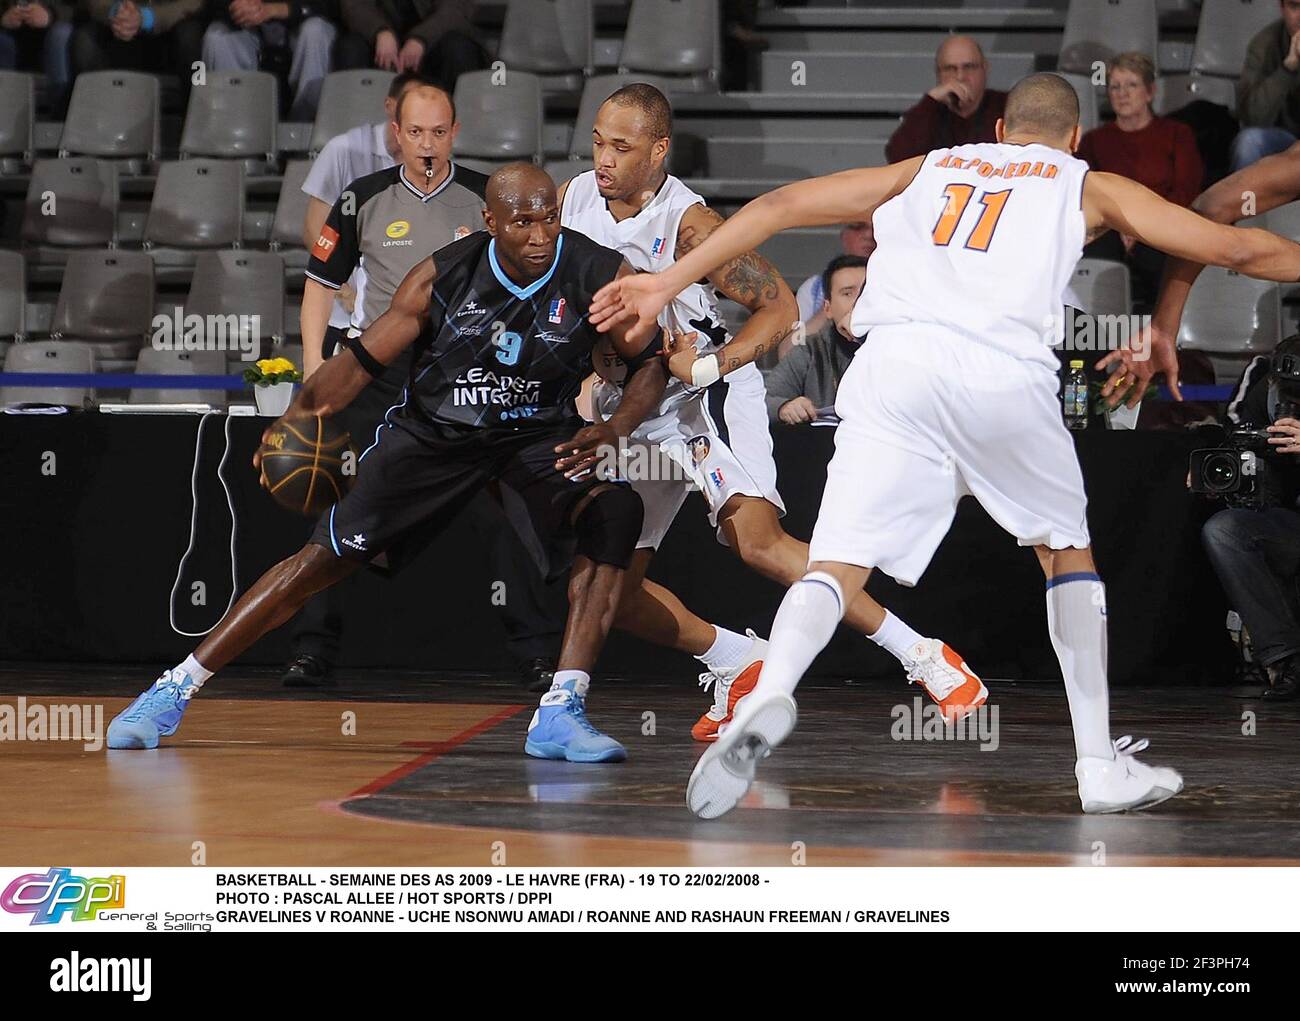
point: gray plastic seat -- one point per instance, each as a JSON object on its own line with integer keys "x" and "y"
{"x": 1228, "y": 313}
{"x": 594, "y": 94}
{"x": 196, "y": 204}
{"x": 48, "y": 356}
{"x": 17, "y": 119}
{"x": 291, "y": 207}
{"x": 1175, "y": 91}
{"x": 499, "y": 121}
{"x": 1096, "y": 30}
{"x": 676, "y": 38}
{"x": 114, "y": 115}
{"x": 233, "y": 115}
{"x": 347, "y": 99}
{"x": 1285, "y": 220}
{"x": 154, "y": 362}
{"x": 233, "y": 287}
{"x": 549, "y": 38}
{"x": 1102, "y": 287}
{"x": 71, "y": 202}
{"x": 1089, "y": 116}
{"x": 1225, "y": 29}
{"x": 13, "y": 299}
{"x": 106, "y": 299}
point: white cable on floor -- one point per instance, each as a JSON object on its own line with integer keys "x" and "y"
{"x": 194, "y": 513}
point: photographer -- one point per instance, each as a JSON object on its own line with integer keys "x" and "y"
{"x": 1254, "y": 544}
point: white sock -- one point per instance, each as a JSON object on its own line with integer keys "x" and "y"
{"x": 1076, "y": 621}
{"x": 894, "y": 636}
{"x": 728, "y": 650}
{"x": 197, "y": 673}
{"x": 581, "y": 679}
{"x": 809, "y": 615}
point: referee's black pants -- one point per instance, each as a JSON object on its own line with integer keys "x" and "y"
{"x": 533, "y": 617}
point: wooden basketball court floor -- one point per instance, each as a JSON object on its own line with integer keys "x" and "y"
{"x": 432, "y": 772}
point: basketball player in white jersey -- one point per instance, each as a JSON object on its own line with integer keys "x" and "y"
{"x": 715, "y": 425}
{"x": 954, "y": 392}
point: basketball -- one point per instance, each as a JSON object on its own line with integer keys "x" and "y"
{"x": 307, "y": 464}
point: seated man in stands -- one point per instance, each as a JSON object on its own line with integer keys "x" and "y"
{"x": 435, "y": 37}
{"x": 160, "y": 36}
{"x": 806, "y": 380}
{"x": 34, "y": 37}
{"x": 856, "y": 239}
{"x": 959, "y": 109}
{"x": 1268, "y": 91}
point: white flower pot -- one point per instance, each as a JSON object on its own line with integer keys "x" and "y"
{"x": 273, "y": 399}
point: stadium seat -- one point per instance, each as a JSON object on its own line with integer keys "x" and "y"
{"x": 801, "y": 252}
{"x": 594, "y": 93}
{"x": 71, "y": 202}
{"x": 1102, "y": 287}
{"x": 13, "y": 299}
{"x": 1096, "y": 30}
{"x": 1225, "y": 29}
{"x": 1175, "y": 91}
{"x": 196, "y": 204}
{"x": 347, "y": 99}
{"x": 1285, "y": 220}
{"x": 106, "y": 300}
{"x": 896, "y": 73}
{"x": 1228, "y": 313}
{"x": 232, "y": 115}
{"x": 113, "y": 115}
{"x": 688, "y": 53}
{"x": 240, "y": 283}
{"x": 1089, "y": 117}
{"x": 17, "y": 120}
{"x": 551, "y": 39}
{"x": 48, "y": 356}
{"x": 153, "y": 362}
{"x": 500, "y": 118}
{"x": 291, "y": 213}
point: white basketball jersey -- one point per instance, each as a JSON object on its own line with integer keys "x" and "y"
{"x": 983, "y": 243}
{"x": 648, "y": 242}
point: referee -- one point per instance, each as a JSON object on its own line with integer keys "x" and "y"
{"x": 379, "y": 227}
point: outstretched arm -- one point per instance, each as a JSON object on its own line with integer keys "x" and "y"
{"x": 341, "y": 378}
{"x": 820, "y": 201}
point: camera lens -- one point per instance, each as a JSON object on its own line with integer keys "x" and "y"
{"x": 1220, "y": 472}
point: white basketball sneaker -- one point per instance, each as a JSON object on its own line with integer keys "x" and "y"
{"x": 725, "y": 772}
{"x": 1123, "y": 783}
{"x": 729, "y": 687}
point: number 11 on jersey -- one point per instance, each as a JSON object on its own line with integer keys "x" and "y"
{"x": 957, "y": 198}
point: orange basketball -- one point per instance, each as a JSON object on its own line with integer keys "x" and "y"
{"x": 308, "y": 463}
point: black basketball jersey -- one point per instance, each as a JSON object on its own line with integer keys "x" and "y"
{"x": 498, "y": 355}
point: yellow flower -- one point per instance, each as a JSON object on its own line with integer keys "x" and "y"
{"x": 273, "y": 365}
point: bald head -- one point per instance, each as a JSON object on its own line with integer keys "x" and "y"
{"x": 519, "y": 186}
{"x": 1041, "y": 106}
{"x": 958, "y": 49}
{"x": 961, "y": 74}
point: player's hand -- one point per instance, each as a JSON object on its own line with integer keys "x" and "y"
{"x": 1286, "y": 436}
{"x": 126, "y": 26}
{"x": 679, "y": 349}
{"x": 638, "y": 297}
{"x": 586, "y": 449}
{"x": 1292, "y": 59}
{"x": 410, "y": 55}
{"x": 1154, "y": 353}
{"x": 37, "y": 16}
{"x": 797, "y": 412}
{"x": 386, "y": 51}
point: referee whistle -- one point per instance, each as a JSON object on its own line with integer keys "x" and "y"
{"x": 428, "y": 167}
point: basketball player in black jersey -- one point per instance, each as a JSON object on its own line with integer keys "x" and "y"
{"x": 501, "y": 346}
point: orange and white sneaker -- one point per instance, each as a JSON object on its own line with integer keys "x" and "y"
{"x": 946, "y": 678}
{"x": 729, "y": 687}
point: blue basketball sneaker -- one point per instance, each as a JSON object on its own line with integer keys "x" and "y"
{"x": 155, "y": 713}
{"x": 560, "y": 729}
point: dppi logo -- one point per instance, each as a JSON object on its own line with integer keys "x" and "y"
{"x": 47, "y": 898}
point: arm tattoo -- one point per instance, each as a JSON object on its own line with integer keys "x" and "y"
{"x": 748, "y": 279}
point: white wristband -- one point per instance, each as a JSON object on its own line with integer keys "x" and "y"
{"x": 705, "y": 371}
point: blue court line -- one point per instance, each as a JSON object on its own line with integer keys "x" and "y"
{"x": 123, "y": 381}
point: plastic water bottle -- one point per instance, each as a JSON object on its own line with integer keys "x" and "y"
{"x": 1074, "y": 397}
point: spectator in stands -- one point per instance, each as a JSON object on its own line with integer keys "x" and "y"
{"x": 435, "y": 37}
{"x": 160, "y": 36}
{"x": 806, "y": 380}
{"x": 34, "y": 36}
{"x": 1268, "y": 91}
{"x": 958, "y": 110}
{"x": 857, "y": 239}
{"x": 247, "y": 34}
{"x": 1155, "y": 151}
